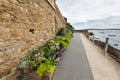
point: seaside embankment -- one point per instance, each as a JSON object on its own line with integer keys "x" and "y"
{"x": 103, "y": 67}
{"x": 113, "y": 52}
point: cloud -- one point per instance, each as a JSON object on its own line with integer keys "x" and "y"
{"x": 83, "y": 10}
{"x": 111, "y": 22}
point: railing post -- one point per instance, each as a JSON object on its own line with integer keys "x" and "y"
{"x": 84, "y": 31}
{"x": 93, "y": 38}
{"x": 87, "y": 35}
{"x": 106, "y": 46}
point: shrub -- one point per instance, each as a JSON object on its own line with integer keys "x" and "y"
{"x": 67, "y": 38}
{"x": 70, "y": 27}
{"x": 23, "y": 64}
{"x": 61, "y": 32}
{"x": 90, "y": 33}
{"x": 49, "y": 54}
{"x": 61, "y": 42}
{"x": 47, "y": 66}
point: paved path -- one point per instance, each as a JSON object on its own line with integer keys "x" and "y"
{"x": 74, "y": 64}
{"x": 103, "y": 67}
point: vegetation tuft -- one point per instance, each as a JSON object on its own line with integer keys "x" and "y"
{"x": 45, "y": 58}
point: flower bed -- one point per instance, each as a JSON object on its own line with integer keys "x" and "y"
{"x": 43, "y": 60}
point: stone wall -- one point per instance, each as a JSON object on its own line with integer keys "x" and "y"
{"x": 25, "y": 25}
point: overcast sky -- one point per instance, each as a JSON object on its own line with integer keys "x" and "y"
{"x": 83, "y": 10}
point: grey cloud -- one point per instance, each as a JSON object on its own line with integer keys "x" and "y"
{"x": 84, "y": 10}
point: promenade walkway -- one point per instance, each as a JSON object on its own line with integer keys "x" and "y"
{"x": 74, "y": 64}
{"x": 103, "y": 67}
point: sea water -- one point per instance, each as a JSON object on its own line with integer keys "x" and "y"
{"x": 113, "y": 35}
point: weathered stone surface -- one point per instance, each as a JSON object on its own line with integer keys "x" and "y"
{"x": 4, "y": 33}
{"x": 25, "y": 25}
